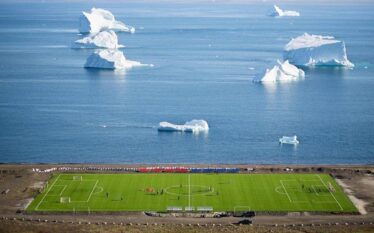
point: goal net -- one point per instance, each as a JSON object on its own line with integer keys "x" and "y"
{"x": 77, "y": 178}
{"x": 64, "y": 199}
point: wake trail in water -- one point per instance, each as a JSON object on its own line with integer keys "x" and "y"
{"x": 124, "y": 125}
{"x": 54, "y": 46}
{"x": 26, "y": 30}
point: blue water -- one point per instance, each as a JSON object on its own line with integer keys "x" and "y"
{"x": 54, "y": 110}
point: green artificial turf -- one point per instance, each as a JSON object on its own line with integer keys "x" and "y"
{"x": 222, "y": 192}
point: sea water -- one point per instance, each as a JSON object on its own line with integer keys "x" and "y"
{"x": 205, "y": 55}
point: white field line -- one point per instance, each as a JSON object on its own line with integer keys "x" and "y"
{"x": 100, "y": 190}
{"x": 315, "y": 191}
{"x": 56, "y": 195}
{"x": 313, "y": 186}
{"x": 293, "y": 201}
{"x": 65, "y": 186}
{"x": 321, "y": 202}
{"x": 81, "y": 179}
{"x": 330, "y": 192}
{"x": 37, "y": 207}
{"x": 189, "y": 190}
{"x": 277, "y": 190}
{"x": 289, "y": 198}
{"x": 89, "y": 197}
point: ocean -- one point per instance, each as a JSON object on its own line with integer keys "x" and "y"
{"x": 52, "y": 110}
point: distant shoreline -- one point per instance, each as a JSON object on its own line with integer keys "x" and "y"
{"x": 243, "y": 166}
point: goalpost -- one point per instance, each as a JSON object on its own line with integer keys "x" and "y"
{"x": 77, "y": 178}
{"x": 45, "y": 187}
{"x": 64, "y": 199}
{"x": 331, "y": 187}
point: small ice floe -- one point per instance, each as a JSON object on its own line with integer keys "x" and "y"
{"x": 278, "y": 12}
{"x": 316, "y": 50}
{"x": 194, "y": 126}
{"x": 289, "y": 140}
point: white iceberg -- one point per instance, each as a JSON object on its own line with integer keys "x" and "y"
{"x": 316, "y": 50}
{"x": 282, "y": 72}
{"x": 278, "y": 12}
{"x": 110, "y": 59}
{"x": 194, "y": 126}
{"x": 289, "y": 140}
{"x": 98, "y": 20}
{"x": 104, "y": 39}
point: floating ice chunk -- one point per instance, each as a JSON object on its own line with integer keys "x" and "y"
{"x": 278, "y": 12}
{"x": 110, "y": 59}
{"x": 282, "y": 72}
{"x": 289, "y": 140}
{"x": 316, "y": 50}
{"x": 98, "y": 20}
{"x": 104, "y": 39}
{"x": 194, "y": 126}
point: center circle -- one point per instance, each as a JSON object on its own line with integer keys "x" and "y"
{"x": 189, "y": 190}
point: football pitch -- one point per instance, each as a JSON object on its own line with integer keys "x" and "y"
{"x": 218, "y": 192}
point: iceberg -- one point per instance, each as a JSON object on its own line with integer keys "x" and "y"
{"x": 278, "y": 12}
{"x": 98, "y": 20}
{"x": 289, "y": 140}
{"x": 282, "y": 72}
{"x": 110, "y": 59}
{"x": 316, "y": 50}
{"x": 194, "y": 126}
{"x": 104, "y": 39}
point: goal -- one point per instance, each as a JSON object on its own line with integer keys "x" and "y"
{"x": 331, "y": 187}
{"x": 45, "y": 187}
{"x": 77, "y": 178}
{"x": 64, "y": 199}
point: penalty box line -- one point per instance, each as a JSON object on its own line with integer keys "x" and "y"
{"x": 323, "y": 184}
{"x": 89, "y": 197}
{"x": 63, "y": 189}
{"x": 65, "y": 186}
{"x": 91, "y": 193}
{"x": 37, "y": 207}
{"x": 320, "y": 195}
{"x": 289, "y": 197}
{"x": 341, "y": 208}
